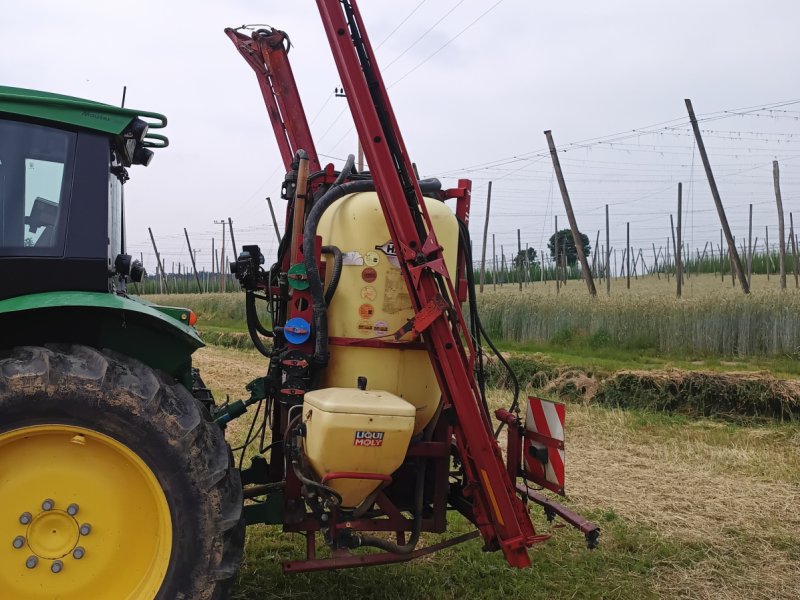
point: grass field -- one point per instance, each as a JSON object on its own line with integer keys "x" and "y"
{"x": 689, "y": 508}
{"x": 712, "y": 320}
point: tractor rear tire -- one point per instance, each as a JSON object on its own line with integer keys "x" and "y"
{"x": 88, "y": 429}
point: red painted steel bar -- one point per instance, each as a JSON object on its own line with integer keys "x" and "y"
{"x": 266, "y": 52}
{"x": 500, "y": 515}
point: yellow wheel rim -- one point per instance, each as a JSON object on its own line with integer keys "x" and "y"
{"x": 81, "y": 517}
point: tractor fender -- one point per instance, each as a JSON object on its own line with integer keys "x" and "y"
{"x": 160, "y": 337}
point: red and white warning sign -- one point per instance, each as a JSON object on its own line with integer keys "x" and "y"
{"x": 543, "y": 448}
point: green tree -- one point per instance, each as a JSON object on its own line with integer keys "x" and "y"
{"x": 565, "y": 244}
{"x": 526, "y": 257}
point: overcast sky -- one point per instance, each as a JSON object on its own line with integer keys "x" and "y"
{"x": 478, "y": 81}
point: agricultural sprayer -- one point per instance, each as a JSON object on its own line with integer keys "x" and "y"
{"x": 370, "y": 424}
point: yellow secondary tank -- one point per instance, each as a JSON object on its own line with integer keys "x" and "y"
{"x": 356, "y": 431}
{"x": 371, "y": 301}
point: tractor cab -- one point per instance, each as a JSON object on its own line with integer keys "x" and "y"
{"x": 63, "y": 163}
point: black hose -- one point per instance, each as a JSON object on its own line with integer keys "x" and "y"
{"x": 347, "y": 169}
{"x": 336, "y": 273}
{"x": 254, "y": 326}
{"x": 474, "y": 319}
{"x": 407, "y": 548}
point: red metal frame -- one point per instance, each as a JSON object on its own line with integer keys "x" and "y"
{"x": 266, "y": 52}
{"x": 499, "y": 514}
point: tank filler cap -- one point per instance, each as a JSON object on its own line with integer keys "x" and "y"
{"x": 297, "y": 330}
{"x": 362, "y": 383}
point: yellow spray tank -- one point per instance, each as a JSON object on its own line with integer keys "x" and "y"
{"x": 371, "y": 300}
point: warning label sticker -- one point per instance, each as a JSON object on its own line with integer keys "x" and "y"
{"x": 366, "y": 311}
{"x": 381, "y": 327}
{"x": 369, "y": 274}
{"x": 371, "y": 258}
{"x": 352, "y": 258}
{"x": 368, "y": 438}
{"x": 369, "y": 293}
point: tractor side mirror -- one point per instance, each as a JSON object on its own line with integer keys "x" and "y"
{"x": 44, "y": 213}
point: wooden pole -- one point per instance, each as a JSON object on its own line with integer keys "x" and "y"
{"x": 502, "y": 264}
{"x": 776, "y": 178}
{"x": 160, "y": 267}
{"x": 628, "y": 254}
{"x": 655, "y": 261}
{"x": 608, "y": 256}
{"x": 793, "y": 238}
{"x": 737, "y": 263}
{"x": 233, "y": 241}
{"x": 679, "y": 242}
{"x": 494, "y": 267}
{"x": 519, "y": 260}
{"x": 766, "y": 245}
{"x": 274, "y": 220}
{"x": 485, "y": 233}
{"x": 573, "y": 223}
{"x": 556, "y": 262}
{"x": 750, "y": 248}
{"x": 194, "y": 266}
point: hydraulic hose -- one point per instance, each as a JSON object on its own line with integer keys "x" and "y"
{"x": 336, "y": 273}
{"x": 254, "y": 326}
{"x": 419, "y": 498}
{"x": 315, "y": 286}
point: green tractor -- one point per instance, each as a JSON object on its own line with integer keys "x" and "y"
{"x": 114, "y": 480}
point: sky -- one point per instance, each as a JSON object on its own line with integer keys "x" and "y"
{"x": 474, "y": 84}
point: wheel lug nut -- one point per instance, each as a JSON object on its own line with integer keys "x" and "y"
{"x": 48, "y": 504}
{"x": 31, "y": 562}
{"x": 72, "y": 510}
{"x": 57, "y": 566}
{"x": 18, "y": 542}
{"x": 85, "y": 529}
{"x": 25, "y": 518}
{"x": 78, "y": 553}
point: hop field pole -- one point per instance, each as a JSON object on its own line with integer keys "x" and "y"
{"x": 519, "y": 260}
{"x": 608, "y": 255}
{"x": 655, "y": 262}
{"x": 678, "y": 243}
{"x": 494, "y": 265}
{"x": 233, "y": 240}
{"x": 194, "y": 265}
{"x": 793, "y": 239}
{"x": 274, "y": 220}
{"x": 485, "y": 233}
{"x": 502, "y": 265}
{"x": 776, "y": 178}
{"x": 750, "y": 247}
{"x": 573, "y": 224}
{"x": 628, "y": 254}
{"x": 160, "y": 264}
{"x": 555, "y": 257}
{"x": 737, "y": 263}
{"x": 766, "y": 247}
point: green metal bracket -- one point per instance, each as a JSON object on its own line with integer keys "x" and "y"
{"x": 269, "y": 512}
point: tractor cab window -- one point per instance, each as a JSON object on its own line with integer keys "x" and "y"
{"x": 35, "y": 182}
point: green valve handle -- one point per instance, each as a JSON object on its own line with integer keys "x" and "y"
{"x": 297, "y": 276}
